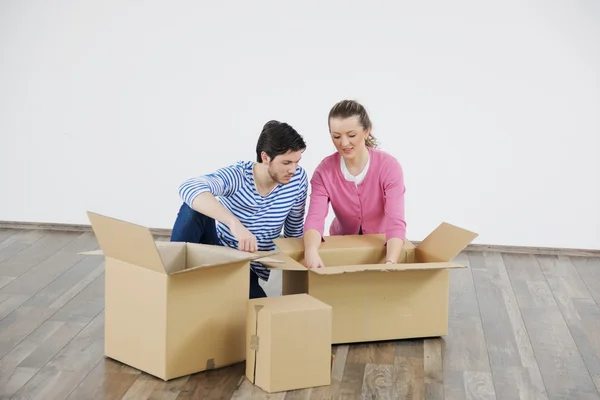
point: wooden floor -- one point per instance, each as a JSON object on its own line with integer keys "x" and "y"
{"x": 521, "y": 327}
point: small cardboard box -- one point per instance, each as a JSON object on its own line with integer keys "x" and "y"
{"x": 288, "y": 342}
{"x": 171, "y": 309}
{"x": 372, "y": 300}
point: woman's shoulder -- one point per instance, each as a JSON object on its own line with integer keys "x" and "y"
{"x": 383, "y": 157}
{"x": 329, "y": 163}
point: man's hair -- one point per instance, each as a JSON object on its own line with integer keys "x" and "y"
{"x": 278, "y": 138}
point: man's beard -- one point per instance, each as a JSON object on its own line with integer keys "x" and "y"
{"x": 275, "y": 177}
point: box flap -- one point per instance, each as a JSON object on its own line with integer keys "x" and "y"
{"x": 130, "y": 243}
{"x": 282, "y": 261}
{"x": 201, "y": 256}
{"x": 353, "y": 241}
{"x": 99, "y": 252}
{"x": 446, "y": 242}
{"x": 385, "y": 268}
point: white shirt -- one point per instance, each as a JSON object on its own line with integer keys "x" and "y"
{"x": 351, "y": 178}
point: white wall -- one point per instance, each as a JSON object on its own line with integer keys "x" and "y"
{"x": 110, "y": 105}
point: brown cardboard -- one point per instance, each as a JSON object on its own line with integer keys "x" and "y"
{"x": 372, "y": 300}
{"x": 171, "y": 309}
{"x": 288, "y": 343}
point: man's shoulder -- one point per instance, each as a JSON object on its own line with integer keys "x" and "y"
{"x": 300, "y": 178}
{"x": 240, "y": 168}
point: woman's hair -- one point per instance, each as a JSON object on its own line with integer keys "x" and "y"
{"x": 350, "y": 108}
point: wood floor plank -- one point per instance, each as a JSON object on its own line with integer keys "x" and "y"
{"x": 5, "y": 280}
{"x": 49, "y": 336}
{"x": 10, "y": 302}
{"x": 12, "y": 375}
{"x": 18, "y": 241}
{"x": 578, "y": 308}
{"x": 515, "y": 371}
{"x": 433, "y": 369}
{"x": 589, "y": 270}
{"x": 337, "y": 373}
{"x": 561, "y": 365}
{"x": 219, "y": 383}
{"x": 59, "y": 377}
{"x": 464, "y": 348}
{"x": 6, "y": 233}
{"x": 354, "y": 372}
{"x": 408, "y": 371}
{"x": 31, "y": 314}
{"x": 37, "y": 252}
{"x": 377, "y": 382}
{"x": 51, "y": 268}
{"x": 247, "y": 391}
{"x": 108, "y": 380}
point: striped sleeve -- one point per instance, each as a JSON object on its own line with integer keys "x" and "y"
{"x": 294, "y": 222}
{"x": 223, "y": 182}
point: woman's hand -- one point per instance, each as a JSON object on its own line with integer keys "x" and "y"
{"x": 313, "y": 260}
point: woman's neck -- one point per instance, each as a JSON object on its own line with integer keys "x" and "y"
{"x": 356, "y": 165}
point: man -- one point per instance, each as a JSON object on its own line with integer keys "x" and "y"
{"x": 256, "y": 200}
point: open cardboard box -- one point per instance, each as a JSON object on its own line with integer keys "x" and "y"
{"x": 371, "y": 300}
{"x": 171, "y": 309}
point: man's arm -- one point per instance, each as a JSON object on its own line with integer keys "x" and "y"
{"x": 294, "y": 223}
{"x": 200, "y": 193}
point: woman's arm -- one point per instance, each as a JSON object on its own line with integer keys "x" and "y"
{"x": 394, "y": 249}
{"x": 394, "y": 190}
{"x": 315, "y": 221}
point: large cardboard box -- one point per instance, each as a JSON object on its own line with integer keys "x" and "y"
{"x": 171, "y": 309}
{"x": 372, "y": 300}
{"x": 288, "y": 343}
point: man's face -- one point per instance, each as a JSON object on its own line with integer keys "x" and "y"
{"x": 283, "y": 167}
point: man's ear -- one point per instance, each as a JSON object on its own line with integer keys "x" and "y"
{"x": 265, "y": 157}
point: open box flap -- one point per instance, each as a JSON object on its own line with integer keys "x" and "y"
{"x": 282, "y": 261}
{"x": 446, "y": 242}
{"x": 385, "y": 268}
{"x": 209, "y": 256}
{"x": 352, "y": 241}
{"x": 127, "y": 242}
{"x": 99, "y": 252}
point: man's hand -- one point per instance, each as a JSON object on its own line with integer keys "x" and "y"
{"x": 246, "y": 240}
{"x": 313, "y": 260}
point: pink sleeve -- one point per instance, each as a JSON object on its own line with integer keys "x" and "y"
{"x": 394, "y": 189}
{"x": 319, "y": 204}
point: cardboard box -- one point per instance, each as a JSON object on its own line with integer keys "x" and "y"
{"x": 371, "y": 300}
{"x": 288, "y": 343}
{"x": 172, "y": 309}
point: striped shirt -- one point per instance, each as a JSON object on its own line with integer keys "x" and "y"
{"x": 264, "y": 216}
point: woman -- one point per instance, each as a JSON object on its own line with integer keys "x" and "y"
{"x": 364, "y": 185}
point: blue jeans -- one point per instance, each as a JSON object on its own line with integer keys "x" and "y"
{"x": 194, "y": 227}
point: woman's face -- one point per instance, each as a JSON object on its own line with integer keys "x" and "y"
{"x": 348, "y": 136}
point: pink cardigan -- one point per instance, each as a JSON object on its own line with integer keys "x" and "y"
{"x": 377, "y": 204}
